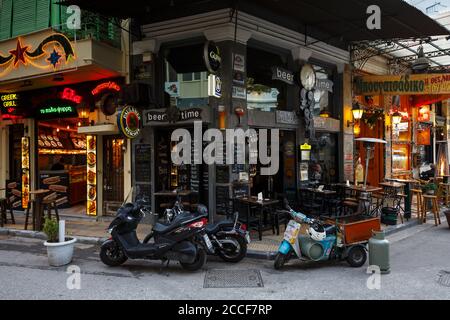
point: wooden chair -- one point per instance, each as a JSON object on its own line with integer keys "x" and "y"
{"x": 434, "y": 209}
{"x": 31, "y": 205}
{"x": 444, "y": 193}
{"x": 51, "y": 202}
{"x": 5, "y": 205}
{"x": 420, "y": 205}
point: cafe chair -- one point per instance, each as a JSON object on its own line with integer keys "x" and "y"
{"x": 6, "y": 205}
{"x": 51, "y": 202}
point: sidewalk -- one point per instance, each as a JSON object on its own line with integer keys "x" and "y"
{"x": 90, "y": 231}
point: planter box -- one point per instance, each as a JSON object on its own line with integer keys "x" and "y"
{"x": 60, "y": 253}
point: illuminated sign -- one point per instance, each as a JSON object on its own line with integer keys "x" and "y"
{"x": 129, "y": 122}
{"x": 55, "y": 111}
{"x": 424, "y": 114}
{"x": 47, "y": 55}
{"x": 70, "y": 94}
{"x": 9, "y": 100}
{"x": 111, "y": 85}
{"x": 10, "y": 104}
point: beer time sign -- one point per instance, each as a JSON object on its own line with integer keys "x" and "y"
{"x": 403, "y": 85}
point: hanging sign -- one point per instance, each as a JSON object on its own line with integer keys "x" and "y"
{"x": 282, "y": 74}
{"x": 324, "y": 85}
{"x": 212, "y": 57}
{"x": 129, "y": 122}
{"x": 214, "y": 86}
{"x": 403, "y": 85}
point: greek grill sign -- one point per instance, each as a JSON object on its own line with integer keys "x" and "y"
{"x": 129, "y": 122}
{"x": 403, "y": 85}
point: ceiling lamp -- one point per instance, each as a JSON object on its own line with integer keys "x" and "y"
{"x": 422, "y": 63}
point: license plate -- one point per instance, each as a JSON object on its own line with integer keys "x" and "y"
{"x": 247, "y": 237}
{"x": 208, "y": 242}
{"x": 292, "y": 231}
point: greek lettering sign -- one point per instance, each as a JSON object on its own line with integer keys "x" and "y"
{"x": 56, "y": 109}
{"x": 403, "y": 85}
{"x": 129, "y": 122}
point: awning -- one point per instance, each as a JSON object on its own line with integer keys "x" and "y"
{"x": 335, "y": 22}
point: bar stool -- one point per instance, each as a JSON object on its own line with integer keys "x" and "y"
{"x": 418, "y": 194}
{"x": 434, "y": 209}
{"x": 444, "y": 192}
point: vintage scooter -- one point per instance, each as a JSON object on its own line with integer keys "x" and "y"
{"x": 320, "y": 243}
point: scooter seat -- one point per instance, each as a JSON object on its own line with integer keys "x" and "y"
{"x": 214, "y": 228}
{"x": 142, "y": 250}
{"x": 161, "y": 228}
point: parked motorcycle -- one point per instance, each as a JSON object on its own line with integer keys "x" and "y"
{"x": 229, "y": 238}
{"x": 318, "y": 244}
{"x": 184, "y": 239}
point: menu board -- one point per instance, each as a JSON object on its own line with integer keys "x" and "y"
{"x": 223, "y": 200}
{"x": 91, "y": 142}
{"x": 240, "y": 190}
{"x": 142, "y": 160}
{"x": 25, "y": 172}
{"x": 222, "y": 174}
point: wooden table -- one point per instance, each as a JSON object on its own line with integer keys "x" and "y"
{"x": 407, "y": 189}
{"x": 365, "y": 197}
{"x": 253, "y": 201}
{"x": 38, "y": 210}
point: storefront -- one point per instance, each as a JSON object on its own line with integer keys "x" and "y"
{"x": 412, "y": 118}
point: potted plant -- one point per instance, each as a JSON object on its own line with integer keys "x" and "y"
{"x": 59, "y": 253}
{"x": 430, "y": 188}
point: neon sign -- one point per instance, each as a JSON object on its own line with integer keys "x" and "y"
{"x": 71, "y": 95}
{"x": 10, "y": 100}
{"x": 111, "y": 85}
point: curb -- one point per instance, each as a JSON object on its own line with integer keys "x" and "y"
{"x": 252, "y": 254}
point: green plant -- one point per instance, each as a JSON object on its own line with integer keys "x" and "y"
{"x": 51, "y": 229}
{"x": 429, "y": 187}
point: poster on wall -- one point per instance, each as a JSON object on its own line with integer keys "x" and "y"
{"x": 424, "y": 137}
{"x": 25, "y": 172}
{"x": 91, "y": 175}
{"x": 239, "y": 63}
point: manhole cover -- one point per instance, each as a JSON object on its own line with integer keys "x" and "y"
{"x": 444, "y": 278}
{"x": 233, "y": 279}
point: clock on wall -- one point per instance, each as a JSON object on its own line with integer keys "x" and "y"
{"x": 308, "y": 77}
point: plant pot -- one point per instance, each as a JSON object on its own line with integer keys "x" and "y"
{"x": 60, "y": 253}
{"x": 447, "y": 214}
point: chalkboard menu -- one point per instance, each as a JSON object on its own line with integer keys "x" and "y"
{"x": 223, "y": 200}
{"x": 240, "y": 190}
{"x": 142, "y": 162}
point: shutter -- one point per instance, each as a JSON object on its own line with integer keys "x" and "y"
{"x": 42, "y": 14}
{"x": 24, "y": 17}
{"x": 5, "y": 19}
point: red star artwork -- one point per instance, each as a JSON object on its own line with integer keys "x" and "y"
{"x": 18, "y": 53}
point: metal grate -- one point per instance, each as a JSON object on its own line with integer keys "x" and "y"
{"x": 444, "y": 278}
{"x": 233, "y": 279}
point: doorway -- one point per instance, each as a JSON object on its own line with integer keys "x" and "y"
{"x": 113, "y": 174}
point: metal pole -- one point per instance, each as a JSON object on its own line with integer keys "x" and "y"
{"x": 368, "y": 150}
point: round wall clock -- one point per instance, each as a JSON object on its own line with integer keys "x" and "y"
{"x": 308, "y": 77}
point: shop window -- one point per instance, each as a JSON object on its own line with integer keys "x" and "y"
{"x": 185, "y": 76}
{"x": 263, "y": 92}
{"x": 323, "y": 167}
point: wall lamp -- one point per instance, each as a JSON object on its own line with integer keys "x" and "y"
{"x": 357, "y": 111}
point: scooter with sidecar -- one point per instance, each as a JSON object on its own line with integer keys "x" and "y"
{"x": 319, "y": 243}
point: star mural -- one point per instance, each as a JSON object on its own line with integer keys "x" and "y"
{"x": 54, "y": 58}
{"x": 19, "y": 53}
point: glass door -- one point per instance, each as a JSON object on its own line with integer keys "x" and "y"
{"x": 113, "y": 174}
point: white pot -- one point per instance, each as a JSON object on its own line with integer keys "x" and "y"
{"x": 60, "y": 253}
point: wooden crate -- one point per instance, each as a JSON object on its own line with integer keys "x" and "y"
{"x": 357, "y": 229}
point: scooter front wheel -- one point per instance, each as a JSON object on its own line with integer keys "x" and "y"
{"x": 111, "y": 254}
{"x": 199, "y": 262}
{"x": 280, "y": 260}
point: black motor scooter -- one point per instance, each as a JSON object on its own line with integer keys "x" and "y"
{"x": 229, "y": 237}
{"x": 182, "y": 240}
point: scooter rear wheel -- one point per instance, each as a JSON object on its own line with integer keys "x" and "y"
{"x": 199, "y": 262}
{"x": 233, "y": 253}
{"x": 112, "y": 255}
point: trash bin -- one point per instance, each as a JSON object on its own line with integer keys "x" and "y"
{"x": 389, "y": 216}
{"x": 379, "y": 252}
